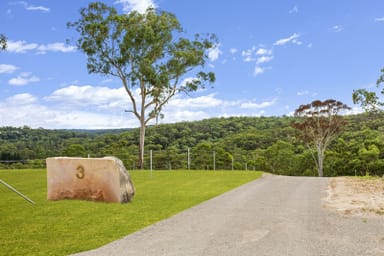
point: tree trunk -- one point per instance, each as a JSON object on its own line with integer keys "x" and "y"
{"x": 320, "y": 154}
{"x": 140, "y": 163}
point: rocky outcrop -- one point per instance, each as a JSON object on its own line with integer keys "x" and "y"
{"x": 96, "y": 179}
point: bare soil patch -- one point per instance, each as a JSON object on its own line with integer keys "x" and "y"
{"x": 357, "y": 197}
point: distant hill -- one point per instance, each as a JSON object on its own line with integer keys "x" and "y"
{"x": 263, "y": 143}
{"x": 97, "y": 131}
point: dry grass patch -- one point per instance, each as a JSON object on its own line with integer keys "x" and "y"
{"x": 356, "y": 196}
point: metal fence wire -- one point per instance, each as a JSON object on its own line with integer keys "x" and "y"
{"x": 163, "y": 160}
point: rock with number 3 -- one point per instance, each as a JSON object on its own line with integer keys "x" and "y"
{"x": 96, "y": 179}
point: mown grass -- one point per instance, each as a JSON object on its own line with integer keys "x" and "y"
{"x": 69, "y": 226}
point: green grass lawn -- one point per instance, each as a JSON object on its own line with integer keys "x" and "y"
{"x": 69, "y": 226}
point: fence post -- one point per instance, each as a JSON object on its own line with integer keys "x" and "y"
{"x": 150, "y": 159}
{"x": 150, "y": 162}
{"x": 232, "y": 162}
{"x": 214, "y": 160}
{"x": 189, "y": 159}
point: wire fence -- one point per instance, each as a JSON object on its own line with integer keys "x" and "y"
{"x": 189, "y": 159}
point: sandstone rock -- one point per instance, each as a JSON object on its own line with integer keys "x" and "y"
{"x": 96, "y": 179}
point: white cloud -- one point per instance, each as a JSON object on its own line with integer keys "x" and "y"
{"x": 259, "y": 56}
{"x": 37, "y": 8}
{"x": 258, "y": 70}
{"x": 184, "y": 115}
{"x": 248, "y": 54}
{"x": 91, "y": 107}
{"x": 23, "y": 47}
{"x": 264, "y": 59}
{"x": 25, "y": 109}
{"x": 37, "y": 115}
{"x": 181, "y": 108}
{"x": 252, "y": 54}
{"x": 20, "y": 46}
{"x": 302, "y": 93}
{"x": 233, "y": 50}
{"x": 249, "y": 58}
{"x": 56, "y": 47}
{"x": 107, "y": 105}
{"x": 23, "y": 79}
{"x": 136, "y": 5}
{"x": 5, "y": 68}
{"x": 108, "y": 99}
{"x": 74, "y": 96}
{"x": 255, "y": 105}
{"x": 294, "y": 9}
{"x": 207, "y": 101}
{"x": 263, "y": 51}
{"x": 337, "y": 28}
{"x": 294, "y": 39}
{"x": 297, "y": 42}
{"x": 29, "y": 7}
{"x": 354, "y": 111}
{"x": 21, "y": 99}
{"x": 214, "y": 52}
{"x": 379, "y": 19}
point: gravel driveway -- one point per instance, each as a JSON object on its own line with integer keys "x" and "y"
{"x": 274, "y": 215}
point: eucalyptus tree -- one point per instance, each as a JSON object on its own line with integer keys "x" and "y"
{"x": 279, "y": 158}
{"x": 148, "y": 52}
{"x": 318, "y": 124}
{"x": 369, "y": 100}
{"x": 3, "y": 42}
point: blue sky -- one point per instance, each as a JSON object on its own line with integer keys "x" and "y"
{"x": 272, "y": 56}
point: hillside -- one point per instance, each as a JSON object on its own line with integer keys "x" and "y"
{"x": 253, "y": 143}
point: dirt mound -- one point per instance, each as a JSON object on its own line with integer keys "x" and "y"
{"x": 354, "y": 196}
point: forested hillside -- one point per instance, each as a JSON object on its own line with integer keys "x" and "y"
{"x": 239, "y": 143}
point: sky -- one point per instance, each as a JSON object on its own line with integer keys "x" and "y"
{"x": 271, "y": 57}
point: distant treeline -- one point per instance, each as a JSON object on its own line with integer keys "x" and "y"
{"x": 237, "y": 143}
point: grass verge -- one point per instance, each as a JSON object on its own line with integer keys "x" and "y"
{"x": 70, "y": 226}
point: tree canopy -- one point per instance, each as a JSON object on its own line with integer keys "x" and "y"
{"x": 255, "y": 143}
{"x": 319, "y": 123}
{"x": 147, "y": 52}
{"x": 3, "y": 42}
{"x": 369, "y": 100}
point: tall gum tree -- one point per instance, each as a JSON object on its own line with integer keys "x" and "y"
{"x": 147, "y": 52}
{"x": 318, "y": 124}
{"x": 369, "y": 100}
{"x": 3, "y": 42}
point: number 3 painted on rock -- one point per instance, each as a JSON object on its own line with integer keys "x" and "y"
{"x": 80, "y": 173}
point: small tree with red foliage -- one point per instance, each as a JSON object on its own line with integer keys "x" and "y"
{"x": 318, "y": 124}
